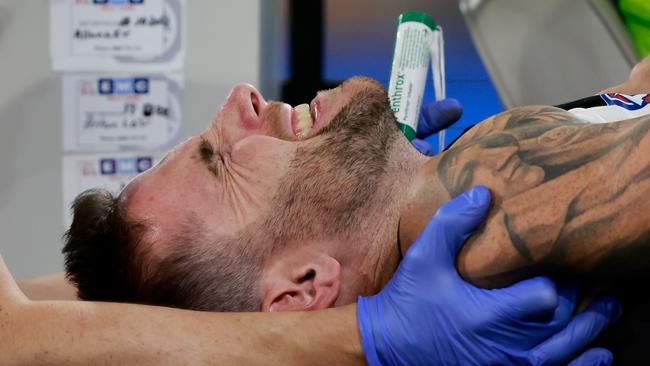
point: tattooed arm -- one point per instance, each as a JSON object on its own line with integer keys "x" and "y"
{"x": 568, "y": 196}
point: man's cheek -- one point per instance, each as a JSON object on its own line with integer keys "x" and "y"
{"x": 262, "y": 161}
{"x": 261, "y": 150}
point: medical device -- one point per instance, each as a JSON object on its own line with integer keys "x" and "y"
{"x": 419, "y": 40}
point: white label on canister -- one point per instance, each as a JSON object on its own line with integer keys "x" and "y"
{"x": 409, "y": 72}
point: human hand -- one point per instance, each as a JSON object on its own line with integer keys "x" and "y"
{"x": 428, "y": 315}
{"x": 638, "y": 83}
{"x": 434, "y": 117}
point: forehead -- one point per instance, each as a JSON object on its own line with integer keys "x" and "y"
{"x": 166, "y": 197}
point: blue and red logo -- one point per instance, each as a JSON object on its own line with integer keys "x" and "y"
{"x": 629, "y": 102}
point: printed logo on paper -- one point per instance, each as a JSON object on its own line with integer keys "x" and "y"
{"x": 118, "y": 2}
{"x": 125, "y": 166}
{"x": 123, "y": 86}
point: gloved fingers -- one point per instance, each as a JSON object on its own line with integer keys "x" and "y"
{"x": 550, "y": 323}
{"x": 452, "y": 224}
{"x": 530, "y": 300}
{"x": 581, "y": 331}
{"x": 594, "y": 357}
{"x": 423, "y": 147}
{"x": 567, "y": 301}
{"x": 437, "y": 116}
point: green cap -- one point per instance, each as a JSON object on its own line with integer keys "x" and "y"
{"x": 416, "y": 16}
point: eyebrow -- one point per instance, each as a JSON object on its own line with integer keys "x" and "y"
{"x": 206, "y": 155}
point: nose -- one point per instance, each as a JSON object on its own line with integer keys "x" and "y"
{"x": 249, "y": 103}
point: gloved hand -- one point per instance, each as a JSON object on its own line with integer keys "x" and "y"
{"x": 434, "y": 117}
{"x": 428, "y": 315}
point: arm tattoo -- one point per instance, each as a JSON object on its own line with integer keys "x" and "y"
{"x": 568, "y": 196}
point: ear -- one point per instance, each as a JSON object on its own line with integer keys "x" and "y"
{"x": 301, "y": 282}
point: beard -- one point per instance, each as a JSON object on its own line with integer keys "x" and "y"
{"x": 334, "y": 182}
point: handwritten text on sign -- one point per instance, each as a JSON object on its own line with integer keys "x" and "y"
{"x": 122, "y": 110}
{"x": 111, "y": 112}
{"x": 118, "y": 27}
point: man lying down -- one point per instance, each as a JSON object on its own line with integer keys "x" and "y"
{"x": 268, "y": 210}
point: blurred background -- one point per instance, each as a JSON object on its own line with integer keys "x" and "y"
{"x": 499, "y": 54}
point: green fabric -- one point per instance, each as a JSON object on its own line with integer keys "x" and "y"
{"x": 637, "y": 20}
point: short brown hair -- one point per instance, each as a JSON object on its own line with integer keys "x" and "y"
{"x": 108, "y": 260}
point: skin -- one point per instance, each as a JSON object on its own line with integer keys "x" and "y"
{"x": 80, "y": 333}
{"x": 569, "y": 197}
{"x": 50, "y": 287}
{"x": 550, "y": 175}
{"x": 637, "y": 83}
{"x": 88, "y": 333}
{"x": 492, "y": 259}
{"x": 236, "y": 168}
{"x": 604, "y": 233}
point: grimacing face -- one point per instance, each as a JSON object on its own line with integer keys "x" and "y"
{"x": 250, "y": 171}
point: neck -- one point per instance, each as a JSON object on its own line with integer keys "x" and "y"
{"x": 371, "y": 264}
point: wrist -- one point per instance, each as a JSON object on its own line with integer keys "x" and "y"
{"x": 366, "y": 333}
{"x": 339, "y": 338}
{"x": 353, "y": 347}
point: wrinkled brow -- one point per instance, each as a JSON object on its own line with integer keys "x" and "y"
{"x": 206, "y": 154}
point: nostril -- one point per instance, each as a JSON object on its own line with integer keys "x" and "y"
{"x": 256, "y": 103}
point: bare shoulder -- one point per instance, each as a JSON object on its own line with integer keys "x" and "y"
{"x": 519, "y": 117}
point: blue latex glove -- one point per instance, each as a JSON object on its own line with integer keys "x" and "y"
{"x": 428, "y": 315}
{"x": 434, "y": 117}
{"x": 594, "y": 357}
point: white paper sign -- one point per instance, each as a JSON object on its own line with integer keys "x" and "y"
{"x": 117, "y": 35}
{"x": 112, "y": 112}
{"x": 133, "y": 28}
{"x": 111, "y": 172}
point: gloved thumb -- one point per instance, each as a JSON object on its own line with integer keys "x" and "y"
{"x": 437, "y": 116}
{"x": 452, "y": 224}
{"x": 423, "y": 146}
{"x": 594, "y": 357}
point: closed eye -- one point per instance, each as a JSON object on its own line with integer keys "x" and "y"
{"x": 206, "y": 151}
{"x": 206, "y": 154}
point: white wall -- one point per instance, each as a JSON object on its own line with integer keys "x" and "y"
{"x": 223, "y": 46}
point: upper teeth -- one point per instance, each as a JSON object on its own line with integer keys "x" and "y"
{"x": 305, "y": 121}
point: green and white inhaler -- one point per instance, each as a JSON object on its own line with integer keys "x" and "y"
{"x": 419, "y": 40}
